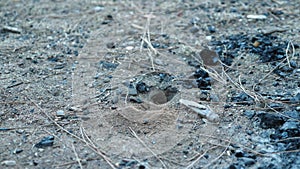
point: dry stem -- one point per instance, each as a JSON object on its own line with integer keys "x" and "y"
{"x": 91, "y": 146}
{"x": 143, "y": 143}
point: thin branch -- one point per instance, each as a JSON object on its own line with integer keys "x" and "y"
{"x": 202, "y": 155}
{"x": 143, "y": 143}
{"x": 95, "y": 149}
{"x": 77, "y": 157}
{"x": 290, "y": 44}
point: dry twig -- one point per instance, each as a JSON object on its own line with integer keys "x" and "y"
{"x": 91, "y": 146}
{"x": 290, "y": 44}
{"x": 77, "y": 157}
{"x": 202, "y": 155}
{"x": 143, "y": 143}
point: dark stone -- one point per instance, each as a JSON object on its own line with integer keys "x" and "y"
{"x": 185, "y": 152}
{"x": 241, "y": 98}
{"x": 17, "y": 151}
{"x": 45, "y": 142}
{"x": 107, "y": 19}
{"x": 268, "y": 120}
{"x": 270, "y": 48}
{"x": 155, "y": 44}
{"x": 203, "y": 80}
{"x": 111, "y": 45}
{"x": 142, "y": 87}
{"x": 211, "y": 29}
{"x": 108, "y": 65}
{"x": 239, "y": 153}
{"x": 142, "y": 167}
{"x": 128, "y": 163}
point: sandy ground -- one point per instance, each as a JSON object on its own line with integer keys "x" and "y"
{"x": 102, "y": 84}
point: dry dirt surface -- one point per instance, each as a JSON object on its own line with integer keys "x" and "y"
{"x": 150, "y": 84}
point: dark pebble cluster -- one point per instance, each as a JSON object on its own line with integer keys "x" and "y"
{"x": 130, "y": 163}
{"x": 283, "y": 130}
{"x": 140, "y": 87}
{"x": 244, "y": 159}
{"x": 108, "y": 65}
{"x": 203, "y": 80}
{"x": 240, "y": 98}
{"x": 284, "y": 135}
{"x": 268, "y": 47}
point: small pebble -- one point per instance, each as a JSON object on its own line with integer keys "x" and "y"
{"x": 98, "y": 8}
{"x": 211, "y": 29}
{"x": 208, "y": 38}
{"x": 60, "y": 113}
{"x": 9, "y": 163}
{"x": 129, "y": 48}
{"x": 194, "y": 29}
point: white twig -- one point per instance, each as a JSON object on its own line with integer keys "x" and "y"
{"x": 76, "y": 155}
{"x": 290, "y": 44}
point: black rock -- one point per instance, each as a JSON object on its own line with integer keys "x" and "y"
{"x": 17, "y": 151}
{"x": 107, "y": 19}
{"x": 108, "y": 65}
{"x": 268, "y": 47}
{"x": 155, "y": 44}
{"x": 45, "y": 142}
{"x": 241, "y": 98}
{"x": 239, "y": 153}
{"x": 111, "y": 45}
{"x": 142, "y": 87}
{"x": 128, "y": 163}
{"x": 268, "y": 120}
{"x": 203, "y": 80}
{"x": 211, "y": 29}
